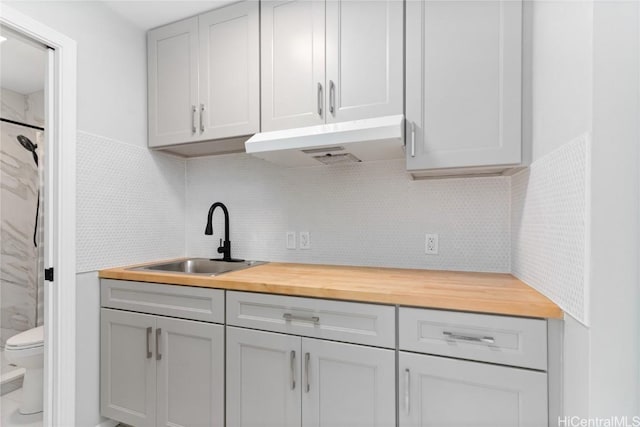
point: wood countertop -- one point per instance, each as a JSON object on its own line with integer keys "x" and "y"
{"x": 496, "y": 293}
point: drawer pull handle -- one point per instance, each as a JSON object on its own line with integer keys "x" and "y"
{"x": 407, "y": 390}
{"x": 312, "y": 319}
{"x": 158, "y": 334}
{"x": 320, "y": 99}
{"x": 201, "y": 118}
{"x": 332, "y": 98}
{"x": 193, "y": 120}
{"x": 307, "y": 362}
{"x": 454, "y": 336}
{"x": 413, "y": 139}
{"x": 149, "y": 353}
{"x": 293, "y": 370}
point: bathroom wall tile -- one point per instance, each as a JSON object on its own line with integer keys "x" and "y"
{"x": 19, "y": 185}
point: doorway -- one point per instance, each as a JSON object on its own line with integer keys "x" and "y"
{"x": 56, "y": 229}
{"x": 23, "y": 71}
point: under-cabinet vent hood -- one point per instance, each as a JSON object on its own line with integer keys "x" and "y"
{"x": 348, "y": 142}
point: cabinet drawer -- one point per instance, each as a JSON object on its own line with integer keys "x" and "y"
{"x": 367, "y": 324}
{"x": 496, "y": 339}
{"x": 186, "y": 302}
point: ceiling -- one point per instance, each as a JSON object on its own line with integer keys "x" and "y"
{"x": 147, "y": 14}
{"x": 22, "y": 65}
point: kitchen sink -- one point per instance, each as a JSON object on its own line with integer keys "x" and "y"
{"x": 200, "y": 266}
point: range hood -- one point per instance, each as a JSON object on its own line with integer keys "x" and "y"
{"x": 347, "y": 142}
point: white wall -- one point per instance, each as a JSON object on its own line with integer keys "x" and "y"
{"x": 615, "y": 297}
{"x": 559, "y": 65}
{"x": 129, "y": 201}
{"x": 584, "y": 68}
{"x": 561, "y": 72}
{"x": 111, "y": 66}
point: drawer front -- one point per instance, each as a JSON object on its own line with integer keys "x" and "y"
{"x": 511, "y": 341}
{"x": 185, "y": 302}
{"x": 367, "y": 324}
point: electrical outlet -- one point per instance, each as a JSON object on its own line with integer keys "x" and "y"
{"x": 305, "y": 240}
{"x": 431, "y": 244}
{"x": 291, "y": 240}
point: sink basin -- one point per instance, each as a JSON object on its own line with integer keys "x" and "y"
{"x": 200, "y": 266}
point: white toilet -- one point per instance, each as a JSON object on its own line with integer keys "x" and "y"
{"x": 26, "y": 350}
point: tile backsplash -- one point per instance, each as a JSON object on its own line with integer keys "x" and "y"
{"x": 548, "y": 226}
{"x": 130, "y": 204}
{"x": 369, "y": 214}
{"x": 135, "y": 205}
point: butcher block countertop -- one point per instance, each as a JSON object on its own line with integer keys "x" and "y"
{"x": 496, "y": 293}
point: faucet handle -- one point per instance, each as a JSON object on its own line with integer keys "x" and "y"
{"x": 220, "y": 248}
{"x": 221, "y": 241}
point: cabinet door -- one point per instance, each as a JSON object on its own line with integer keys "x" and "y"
{"x": 127, "y": 367}
{"x": 347, "y": 385}
{"x": 364, "y": 59}
{"x": 463, "y": 83}
{"x": 263, "y": 379}
{"x": 229, "y": 71}
{"x": 190, "y": 373}
{"x": 438, "y": 391}
{"x": 173, "y": 83}
{"x": 292, "y": 64}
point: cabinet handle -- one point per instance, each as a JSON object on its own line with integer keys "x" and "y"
{"x": 149, "y": 352}
{"x": 407, "y": 388}
{"x": 158, "y": 333}
{"x": 454, "y": 336}
{"x": 307, "y": 362}
{"x": 320, "y": 99}
{"x": 193, "y": 120}
{"x": 413, "y": 139}
{"x": 312, "y": 319}
{"x": 293, "y": 370}
{"x": 332, "y": 98}
{"x": 201, "y": 119}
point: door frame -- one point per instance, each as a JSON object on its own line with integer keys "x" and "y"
{"x": 60, "y": 216}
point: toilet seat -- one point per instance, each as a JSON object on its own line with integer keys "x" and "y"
{"x": 13, "y": 353}
{"x": 31, "y": 339}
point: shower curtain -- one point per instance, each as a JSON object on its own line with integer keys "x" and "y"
{"x": 21, "y": 231}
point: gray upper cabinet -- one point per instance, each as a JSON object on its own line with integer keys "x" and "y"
{"x": 172, "y": 82}
{"x": 293, "y": 67}
{"x": 364, "y": 59}
{"x": 229, "y": 71}
{"x": 203, "y": 77}
{"x": 325, "y": 62}
{"x": 463, "y": 94}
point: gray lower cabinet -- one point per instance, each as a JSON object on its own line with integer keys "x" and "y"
{"x": 161, "y": 371}
{"x": 438, "y": 391}
{"x": 470, "y": 369}
{"x": 282, "y": 380}
{"x": 263, "y": 379}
